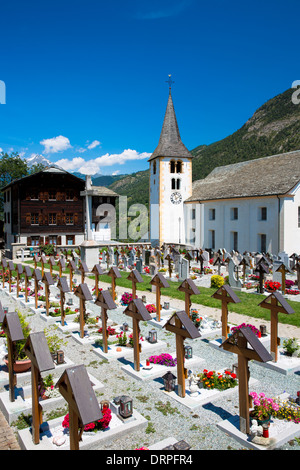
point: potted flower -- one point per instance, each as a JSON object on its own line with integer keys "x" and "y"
{"x": 263, "y": 408}
{"x": 95, "y": 426}
{"x": 291, "y": 347}
{"x": 272, "y": 286}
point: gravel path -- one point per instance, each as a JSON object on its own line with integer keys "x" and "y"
{"x": 171, "y": 418}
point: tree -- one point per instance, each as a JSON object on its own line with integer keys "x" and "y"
{"x": 13, "y": 167}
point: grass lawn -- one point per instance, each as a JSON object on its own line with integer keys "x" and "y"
{"x": 248, "y": 305}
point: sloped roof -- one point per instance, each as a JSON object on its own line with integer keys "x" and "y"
{"x": 170, "y": 144}
{"x": 268, "y": 176}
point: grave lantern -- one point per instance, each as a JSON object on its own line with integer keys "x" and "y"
{"x": 188, "y": 352}
{"x": 125, "y": 326}
{"x": 126, "y": 406}
{"x": 5, "y": 310}
{"x": 169, "y": 381}
{"x": 263, "y": 330}
{"x": 152, "y": 338}
{"x": 104, "y": 405}
{"x": 60, "y": 357}
{"x": 70, "y": 301}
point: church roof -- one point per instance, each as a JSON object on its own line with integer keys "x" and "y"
{"x": 268, "y": 176}
{"x": 170, "y": 144}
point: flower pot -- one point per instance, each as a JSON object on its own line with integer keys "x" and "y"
{"x": 19, "y": 366}
{"x": 261, "y": 422}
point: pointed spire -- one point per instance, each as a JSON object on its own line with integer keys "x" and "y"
{"x": 170, "y": 144}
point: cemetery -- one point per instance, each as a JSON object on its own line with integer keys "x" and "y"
{"x": 151, "y": 337}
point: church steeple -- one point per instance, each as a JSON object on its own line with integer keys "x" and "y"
{"x": 170, "y": 144}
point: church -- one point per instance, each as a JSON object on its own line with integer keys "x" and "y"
{"x": 249, "y": 206}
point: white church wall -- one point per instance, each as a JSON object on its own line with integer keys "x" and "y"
{"x": 291, "y": 222}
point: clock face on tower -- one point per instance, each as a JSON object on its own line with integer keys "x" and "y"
{"x": 176, "y": 198}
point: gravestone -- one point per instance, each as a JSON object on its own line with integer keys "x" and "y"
{"x": 233, "y": 280}
{"x": 183, "y": 269}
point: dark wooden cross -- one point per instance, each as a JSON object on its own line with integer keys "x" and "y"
{"x": 183, "y": 327}
{"x": 83, "y": 269}
{"x": 36, "y": 348}
{"x": 4, "y": 267}
{"x": 48, "y": 281}
{"x": 219, "y": 262}
{"x": 170, "y": 259}
{"x": 238, "y": 344}
{"x": 97, "y": 271}
{"x": 105, "y": 301}
{"x": 276, "y": 303}
{"x": 189, "y": 288}
{"x": 19, "y": 269}
{"x": 189, "y": 257}
{"x": 37, "y": 276}
{"x": 83, "y": 292}
{"x": 76, "y": 388}
{"x": 159, "y": 282}
{"x": 72, "y": 269}
{"x": 244, "y": 263}
{"x": 226, "y": 295}
{"x": 11, "y": 326}
{"x": 114, "y": 273}
{"x": 27, "y": 275}
{"x": 138, "y": 312}
{"x": 63, "y": 288}
{"x": 261, "y": 269}
{"x": 135, "y": 278}
{"x": 11, "y": 268}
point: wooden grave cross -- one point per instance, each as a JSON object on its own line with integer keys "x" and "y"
{"x": 276, "y": 303}
{"x": 83, "y": 292}
{"x": 36, "y": 260}
{"x": 83, "y": 269}
{"x": 105, "y": 301}
{"x": 37, "y": 349}
{"x": 4, "y": 267}
{"x": 261, "y": 269}
{"x": 114, "y": 273}
{"x": 189, "y": 288}
{"x": 189, "y": 257}
{"x": 27, "y": 275}
{"x": 11, "y": 326}
{"x": 61, "y": 265}
{"x": 63, "y": 287}
{"x": 183, "y": 327}
{"x": 19, "y": 269}
{"x": 72, "y": 268}
{"x": 283, "y": 269}
{"x": 219, "y": 262}
{"x": 51, "y": 263}
{"x": 43, "y": 262}
{"x": 297, "y": 269}
{"x": 11, "y": 268}
{"x": 237, "y": 344}
{"x": 76, "y": 388}
{"x": 170, "y": 259}
{"x": 159, "y": 282}
{"x": 97, "y": 271}
{"x": 135, "y": 278}
{"x": 226, "y": 295}
{"x": 138, "y": 312}
{"x": 244, "y": 263}
{"x": 37, "y": 276}
{"x": 48, "y": 281}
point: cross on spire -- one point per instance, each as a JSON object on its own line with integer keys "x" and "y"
{"x": 170, "y": 82}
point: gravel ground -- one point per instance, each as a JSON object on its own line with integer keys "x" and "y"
{"x": 198, "y": 427}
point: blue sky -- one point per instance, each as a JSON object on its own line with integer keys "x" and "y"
{"x": 86, "y": 80}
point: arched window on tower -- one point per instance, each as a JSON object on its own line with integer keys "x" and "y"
{"x": 178, "y": 183}
{"x": 172, "y": 166}
{"x": 179, "y": 167}
{"x": 173, "y": 183}
{"x": 154, "y": 168}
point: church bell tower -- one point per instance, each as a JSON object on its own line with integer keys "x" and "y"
{"x": 170, "y": 182}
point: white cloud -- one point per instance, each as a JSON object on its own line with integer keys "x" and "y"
{"x": 56, "y": 144}
{"x": 116, "y": 172}
{"x": 94, "y": 144}
{"x": 1, "y": 150}
{"x": 92, "y": 167}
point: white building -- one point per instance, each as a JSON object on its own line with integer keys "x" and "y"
{"x": 249, "y": 206}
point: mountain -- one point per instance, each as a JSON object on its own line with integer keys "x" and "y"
{"x": 39, "y": 160}
{"x": 106, "y": 180}
{"x": 274, "y": 128}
